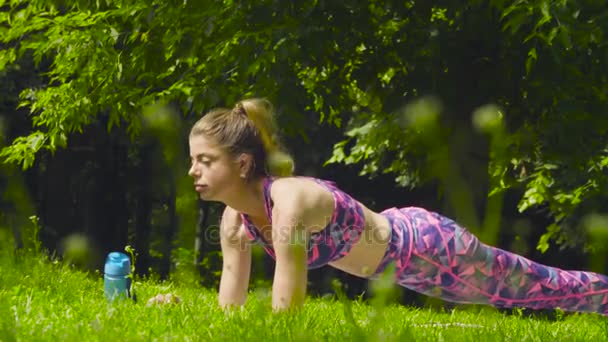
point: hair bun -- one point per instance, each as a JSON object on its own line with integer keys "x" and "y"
{"x": 240, "y": 109}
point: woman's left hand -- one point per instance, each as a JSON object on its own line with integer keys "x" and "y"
{"x": 165, "y": 299}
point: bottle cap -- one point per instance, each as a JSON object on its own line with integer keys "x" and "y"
{"x": 117, "y": 264}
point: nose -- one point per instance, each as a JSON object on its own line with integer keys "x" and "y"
{"x": 193, "y": 172}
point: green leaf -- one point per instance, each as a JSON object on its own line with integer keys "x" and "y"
{"x": 543, "y": 243}
{"x": 7, "y": 56}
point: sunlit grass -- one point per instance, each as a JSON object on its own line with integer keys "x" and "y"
{"x": 42, "y": 300}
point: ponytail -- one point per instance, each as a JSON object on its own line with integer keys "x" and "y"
{"x": 260, "y": 112}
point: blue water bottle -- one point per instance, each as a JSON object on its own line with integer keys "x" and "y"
{"x": 117, "y": 283}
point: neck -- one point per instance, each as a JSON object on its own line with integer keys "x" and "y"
{"x": 248, "y": 198}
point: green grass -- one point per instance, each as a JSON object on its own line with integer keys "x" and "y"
{"x": 42, "y": 300}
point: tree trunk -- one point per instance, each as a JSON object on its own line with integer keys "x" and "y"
{"x": 143, "y": 210}
{"x": 165, "y": 267}
{"x": 17, "y": 238}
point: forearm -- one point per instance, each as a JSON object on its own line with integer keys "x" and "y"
{"x": 236, "y": 262}
{"x": 291, "y": 271}
{"x": 234, "y": 281}
{"x": 288, "y": 289}
{"x": 231, "y": 296}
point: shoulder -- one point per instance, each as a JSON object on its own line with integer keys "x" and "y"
{"x": 231, "y": 220}
{"x": 297, "y": 194}
{"x": 290, "y": 188}
{"x": 232, "y": 230}
{"x": 231, "y": 214}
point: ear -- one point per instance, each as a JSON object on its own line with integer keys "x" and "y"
{"x": 245, "y": 164}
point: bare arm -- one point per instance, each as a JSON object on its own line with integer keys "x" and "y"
{"x": 289, "y": 240}
{"x": 236, "y": 255}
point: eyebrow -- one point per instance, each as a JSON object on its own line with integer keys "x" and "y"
{"x": 205, "y": 155}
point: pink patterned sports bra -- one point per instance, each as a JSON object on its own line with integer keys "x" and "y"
{"x": 329, "y": 244}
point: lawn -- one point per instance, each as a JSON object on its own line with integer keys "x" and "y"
{"x": 42, "y": 300}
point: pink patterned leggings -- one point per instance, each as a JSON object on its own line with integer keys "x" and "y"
{"x": 435, "y": 256}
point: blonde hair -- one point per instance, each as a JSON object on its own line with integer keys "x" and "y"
{"x": 250, "y": 128}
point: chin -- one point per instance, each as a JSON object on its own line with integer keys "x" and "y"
{"x": 205, "y": 197}
{"x": 208, "y": 197}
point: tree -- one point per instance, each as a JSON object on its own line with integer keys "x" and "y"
{"x": 357, "y": 64}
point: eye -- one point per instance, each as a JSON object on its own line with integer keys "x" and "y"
{"x": 203, "y": 160}
{"x": 200, "y": 160}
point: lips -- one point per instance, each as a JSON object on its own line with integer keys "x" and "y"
{"x": 199, "y": 187}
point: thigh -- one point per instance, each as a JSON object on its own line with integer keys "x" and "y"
{"x": 444, "y": 256}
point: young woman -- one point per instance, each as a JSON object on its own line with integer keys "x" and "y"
{"x": 305, "y": 223}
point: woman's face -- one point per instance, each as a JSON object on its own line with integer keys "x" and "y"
{"x": 214, "y": 170}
